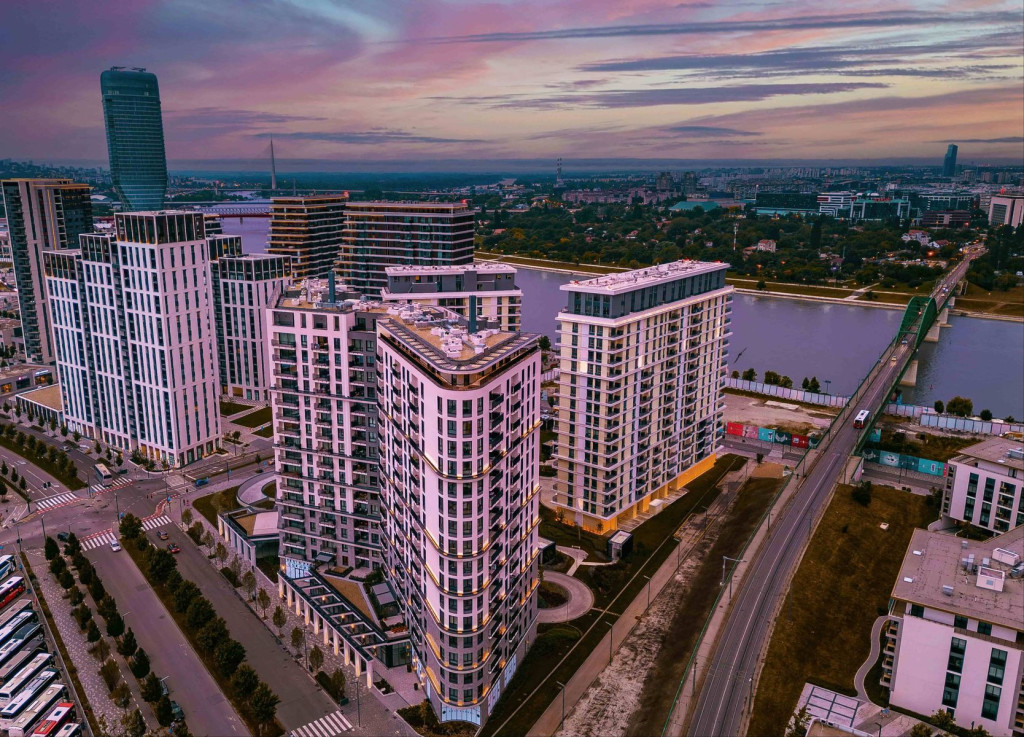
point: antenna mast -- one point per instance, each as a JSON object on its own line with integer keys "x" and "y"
{"x": 273, "y": 168}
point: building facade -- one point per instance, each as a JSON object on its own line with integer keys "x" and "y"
{"x": 956, "y": 623}
{"x": 135, "y": 137}
{"x": 836, "y": 204}
{"x": 1006, "y": 209}
{"x": 383, "y": 234}
{"x": 949, "y": 161}
{"x": 985, "y": 485}
{"x": 42, "y": 215}
{"x": 135, "y": 337}
{"x": 308, "y": 231}
{"x": 323, "y": 393}
{"x": 244, "y": 287}
{"x": 642, "y": 358}
{"x": 459, "y": 428}
{"x": 490, "y": 287}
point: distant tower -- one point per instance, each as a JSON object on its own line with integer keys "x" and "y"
{"x": 135, "y": 137}
{"x": 735, "y": 232}
{"x": 558, "y": 172}
{"x": 273, "y": 168}
{"x": 949, "y": 163}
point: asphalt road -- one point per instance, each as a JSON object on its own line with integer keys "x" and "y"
{"x": 207, "y": 710}
{"x": 728, "y": 687}
{"x": 301, "y": 700}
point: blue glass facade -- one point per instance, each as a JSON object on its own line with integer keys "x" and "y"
{"x": 135, "y": 137}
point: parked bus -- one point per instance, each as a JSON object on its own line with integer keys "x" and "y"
{"x": 15, "y": 623}
{"x": 26, "y": 696}
{"x": 103, "y": 473}
{"x": 42, "y": 703}
{"x": 15, "y": 609}
{"x": 27, "y": 636}
{"x": 74, "y": 729}
{"x": 11, "y": 589}
{"x": 861, "y": 419}
{"x": 17, "y": 659}
{"x": 51, "y": 724}
{"x": 7, "y": 565}
{"x": 22, "y": 677}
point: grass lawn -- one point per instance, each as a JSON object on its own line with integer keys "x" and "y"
{"x": 550, "y": 595}
{"x": 786, "y": 288}
{"x": 548, "y": 263}
{"x": 232, "y": 408}
{"x": 894, "y": 298}
{"x": 663, "y": 680}
{"x": 270, "y": 566}
{"x": 544, "y": 664}
{"x": 212, "y": 505}
{"x": 266, "y": 432}
{"x": 254, "y": 419}
{"x": 571, "y": 536}
{"x": 840, "y": 588}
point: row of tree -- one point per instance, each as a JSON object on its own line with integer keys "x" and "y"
{"x": 31, "y": 447}
{"x": 208, "y": 632}
{"x": 964, "y": 407}
{"x": 773, "y": 378}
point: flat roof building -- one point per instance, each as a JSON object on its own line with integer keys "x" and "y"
{"x": 1006, "y": 209}
{"x": 490, "y": 287}
{"x": 642, "y": 362}
{"x": 985, "y": 485}
{"x": 956, "y": 628}
{"x": 383, "y": 234}
{"x": 308, "y": 230}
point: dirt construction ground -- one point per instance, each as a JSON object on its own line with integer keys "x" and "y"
{"x": 778, "y": 413}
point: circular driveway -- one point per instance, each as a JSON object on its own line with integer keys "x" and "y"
{"x": 581, "y": 599}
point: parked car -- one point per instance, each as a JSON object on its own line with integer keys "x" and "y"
{"x": 162, "y": 535}
{"x": 63, "y": 536}
{"x": 173, "y": 547}
{"x": 115, "y": 546}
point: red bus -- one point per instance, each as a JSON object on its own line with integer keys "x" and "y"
{"x": 861, "y": 418}
{"x": 11, "y": 589}
{"x": 54, "y": 720}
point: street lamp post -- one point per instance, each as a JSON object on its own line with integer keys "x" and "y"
{"x": 734, "y": 560}
{"x": 562, "y": 720}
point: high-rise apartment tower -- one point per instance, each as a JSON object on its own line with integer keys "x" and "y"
{"x": 135, "y": 137}
{"x": 643, "y": 360}
{"x": 43, "y": 215}
{"x": 308, "y": 230}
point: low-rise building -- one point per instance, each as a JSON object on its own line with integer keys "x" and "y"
{"x": 955, "y": 631}
{"x": 252, "y": 535}
{"x": 43, "y": 404}
{"x": 985, "y": 485}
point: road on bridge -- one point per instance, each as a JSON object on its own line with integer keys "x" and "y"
{"x": 728, "y": 689}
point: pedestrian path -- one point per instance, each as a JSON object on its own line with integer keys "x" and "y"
{"x": 114, "y": 485}
{"x": 153, "y": 522}
{"x": 57, "y": 500}
{"x": 328, "y": 726}
{"x": 98, "y": 539}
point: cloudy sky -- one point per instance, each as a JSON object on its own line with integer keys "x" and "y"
{"x": 416, "y": 80}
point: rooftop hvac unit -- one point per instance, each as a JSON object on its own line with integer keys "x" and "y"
{"x": 1016, "y": 454}
{"x": 1017, "y": 571}
{"x": 947, "y": 590}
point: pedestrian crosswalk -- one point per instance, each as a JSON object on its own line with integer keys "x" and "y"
{"x": 101, "y": 538}
{"x": 328, "y": 726}
{"x": 154, "y": 522}
{"x": 115, "y": 484}
{"x": 57, "y": 500}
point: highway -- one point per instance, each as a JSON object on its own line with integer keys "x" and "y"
{"x": 727, "y": 690}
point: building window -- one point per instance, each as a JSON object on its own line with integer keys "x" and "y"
{"x": 960, "y": 622}
{"x": 956, "y": 655}
{"x": 951, "y": 691}
{"x": 996, "y": 667}
{"x": 984, "y": 628}
{"x": 916, "y": 610}
{"x": 990, "y": 704}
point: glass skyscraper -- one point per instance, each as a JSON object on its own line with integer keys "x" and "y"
{"x": 135, "y": 137}
{"x": 949, "y": 163}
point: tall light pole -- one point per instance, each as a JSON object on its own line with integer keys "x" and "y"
{"x": 562, "y": 720}
{"x": 734, "y": 560}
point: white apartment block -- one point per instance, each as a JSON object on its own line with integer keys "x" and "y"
{"x": 244, "y": 287}
{"x": 459, "y": 428}
{"x": 135, "y": 337}
{"x": 642, "y": 358}
{"x": 956, "y": 628}
{"x": 1006, "y": 209}
{"x": 985, "y": 485}
{"x": 490, "y": 287}
{"x": 382, "y": 234}
{"x": 323, "y": 392}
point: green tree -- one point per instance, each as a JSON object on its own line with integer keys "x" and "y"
{"x": 544, "y": 343}
{"x": 186, "y": 518}
{"x": 985, "y": 415}
{"x": 101, "y": 650}
{"x": 199, "y": 612}
{"x": 163, "y": 711}
{"x": 861, "y": 493}
{"x": 960, "y": 406}
{"x": 244, "y": 680}
{"x": 298, "y": 638}
{"x": 772, "y": 378}
{"x": 263, "y": 705}
{"x": 187, "y": 593}
{"x": 110, "y": 673}
{"x": 161, "y": 563}
{"x": 944, "y": 720}
{"x": 127, "y": 646}
{"x": 221, "y": 552}
{"x": 280, "y": 619}
{"x": 798, "y": 727}
{"x": 939, "y": 406}
{"x": 750, "y": 375}
{"x": 316, "y": 658}
{"x": 921, "y": 730}
{"x": 212, "y": 634}
{"x": 65, "y": 579}
{"x": 263, "y": 601}
{"x": 140, "y": 664}
{"x": 51, "y": 549}
{"x": 73, "y": 547}
{"x": 786, "y": 383}
{"x": 130, "y": 527}
{"x": 133, "y": 724}
{"x": 337, "y": 680}
{"x": 115, "y": 625}
{"x": 813, "y": 386}
{"x": 97, "y": 590}
{"x": 249, "y": 583}
{"x": 121, "y": 695}
{"x": 22, "y": 484}
{"x": 151, "y": 690}
{"x": 92, "y": 632}
{"x": 229, "y": 656}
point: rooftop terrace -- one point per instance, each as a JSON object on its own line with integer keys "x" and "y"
{"x": 1003, "y": 451}
{"x": 650, "y": 276}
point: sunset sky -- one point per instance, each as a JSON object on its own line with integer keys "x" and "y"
{"x": 426, "y": 80}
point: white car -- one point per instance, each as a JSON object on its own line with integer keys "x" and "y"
{"x": 115, "y": 546}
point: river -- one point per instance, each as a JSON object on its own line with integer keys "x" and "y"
{"x": 975, "y": 357}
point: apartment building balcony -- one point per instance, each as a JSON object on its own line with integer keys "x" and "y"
{"x": 282, "y": 372}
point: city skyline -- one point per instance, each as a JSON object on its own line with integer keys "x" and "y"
{"x": 467, "y": 81}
